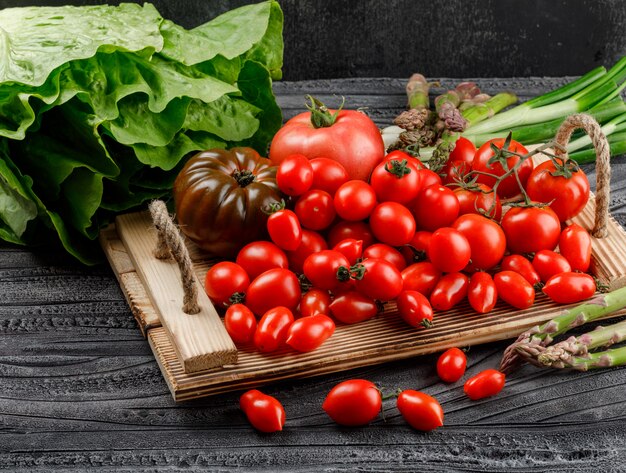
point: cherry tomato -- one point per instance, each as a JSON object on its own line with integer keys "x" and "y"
{"x": 392, "y": 223}
{"x": 294, "y": 175}
{"x": 482, "y": 294}
{"x": 355, "y": 200}
{"x": 575, "y": 245}
{"x": 509, "y": 186}
{"x": 312, "y": 242}
{"x": 313, "y": 302}
{"x": 259, "y": 256}
{"x": 273, "y": 328}
{"x": 357, "y": 230}
{"x": 379, "y": 280}
{"x": 486, "y": 240}
{"x": 353, "y": 402}
{"x": 274, "y": 287}
{"x": 521, "y": 265}
{"x": 321, "y": 268}
{"x": 415, "y": 309}
{"x": 328, "y": 175}
{"x": 513, "y": 289}
{"x": 569, "y": 287}
{"x": 451, "y": 365}
{"x": 240, "y": 323}
{"x": 352, "y": 307}
{"x": 567, "y": 196}
{"x": 396, "y": 180}
{"x": 449, "y": 250}
{"x": 284, "y": 229}
{"x": 223, "y": 280}
{"x": 416, "y": 250}
{"x": 315, "y": 209}
{"x": 264, "y": 412}
{"x": 419, "y": 410}
{"x": 435, "y": 207}
{"x": 308, "y": 333}
{"x": 421, "y": 277}
{"x": 429, "y": 178}
{"x": 487, "y": 383}
{"x": 530, "y": 229}
{"x": 548, "y": 263}
{"x": 459, "y": 162}
{"x": 479, "y": 200}
{"x": 449, "y": 291}
{"x": 386, "y": 252}
{"x": 350, "y": 248}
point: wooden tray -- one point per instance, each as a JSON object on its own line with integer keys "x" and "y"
{"x": 381, "y": 339}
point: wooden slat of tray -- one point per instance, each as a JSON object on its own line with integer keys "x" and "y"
{"x": 384, "y": 338}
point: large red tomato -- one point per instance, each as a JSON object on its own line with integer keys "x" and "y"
{"x": 347, "y": 136}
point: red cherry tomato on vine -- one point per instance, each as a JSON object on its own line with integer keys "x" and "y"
{"x": 284, "y": 229}
{"x": 350, "y": 248}
{"x": 357, "y": 230}
{"x": 380, "y": 280}
{"x": 421, "y": 277}
{"x": 312, "y": 242}
{"x": 294, "y": 175}
{"x": 451, "y": 365}
{"x": 308, "y": 333}
{"x": 486, "y": 240}
{"x": 459, "y": 162}
{"x": 479, "y": 200}
{"x": 352, "y": 307}
{"x": 386, "y": 252}
{"x": 509, "y": 187}
{"x": 449, "y": 250}
{"x": 273, "y": 328}
{"x": 419, "y": 410}
{"x": 435, "y": 207}
{"x": 355, "y": 200}
{"x": 575, "y": 245}
{"x": 548, "y": 263}
{"x": 513, "y": 289}
{"x": 264, "y": 412}
{"x": 415, "y": 309}
{"x": 392, "y": 223}
{"x": 275, "y": 287}
{"x": 396, "y": 180}
{"x": 449, "y": 291}
{"x": 315, "y": 209}
{"x": 487, "y": 383}
{"x": 353, "y": 402}
{"x": 521, "y": 265}
{"x": 223, "y": 280}
{"x": 569, "y": 287}
{"x": 564, "y": 186}
{"x": 259, "y": 256}
{"x": 321, "y": 268}
{"x": 328, "y": 175}
{"x": 313, "y": 302}
{"x": 240, "y": 323}
{"x": 530, "y": 229}
{"x": 482, "y": 293}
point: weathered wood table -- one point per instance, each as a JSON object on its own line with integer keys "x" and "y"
{"x": 80, "y": 389}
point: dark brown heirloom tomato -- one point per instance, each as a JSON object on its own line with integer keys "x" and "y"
{"x": 220, "y": 197}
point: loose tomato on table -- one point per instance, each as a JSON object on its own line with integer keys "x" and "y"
{"x": 259, "y": 256}
{"x": 482, "y": 166}
{"x": 451, "y": 365}
{"x": 449, "y": 250}
{"x": 311, "y": 242}
{"x": 386, "y": 252}
{"x": 328, "y": 175}
{"x": 273, "y": 328}
{"x": 353, "y": 307}
{"x": 521, "y": 265}
{"x": 420, "y": 410}
{"x": 225, "y": 279}
{"x": 482, "y": 293}
{"x": 513, "y": 289}
{"x": 396, "y": 180}
{"x": 421, "y": 277}
{"x": 275, "y": 287}
{"x": 346, "y": 136}
{"x": 378, "y": 279}
{"x": 308, "y": 333}
{"x": 354, "y": 402}
{"x": 354, "y": 200}
{"x": 294, "y": 175}
{"x": 487, "y": 383}
{"x": 570, "y": 287}
{"x": 479, "y": 199}
{"x": 264, "y": 412}
{"x": 549, "y": 263}
{"x": 531, "y": 229}
{"x": 575, "y": 246}
{"x": 392, "y": 223}
{"x": 240, "y": 323}
{"x": 313, "y": 302}
{"x": 449, "y": 291}
{"x": 486, "y": 240}
{"x": 435, "y": 207}
{"x": 315, "y": 209}
{"x": 284, "y": 228}
{"x": 414, "y": 308}
{"x": 562, "y": 185}
{"x": 321, "y": 269}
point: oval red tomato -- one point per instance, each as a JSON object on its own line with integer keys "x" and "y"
{"x": 353, "y": 402}
{"x": 308, "y": 333}
{"x": 548, "y": 263}
{"x": 521, "y": 265}
{"x": 421, "y": 277}
{"x": 284, "y": 229}
{"x": 275, "y": 287}
{"x": 352, "y": 307}
{"x": 240, "y": 323}
{"x": 513, "y": 289}
{"x": 273, "y": 328}
{"x": 482, "y": 293}
{"x": 531, "y": 229}
{"x": 415, "y": 309}
{"x": 225, "y": 279}
{"x": 575, "y": 246}
{"x": 449, "y": 291}
{"x": 487, "y": 383}
{"x": 570, "y": 287}
{"x": 259, "y": 256}
{"x": 392, "y": 223}
{"x": 264, "y": 412}
{"x": 313, "y": 302}
{"x": 451, "y": 365}
{"x": 419, "y": 410}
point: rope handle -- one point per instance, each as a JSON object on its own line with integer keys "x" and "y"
{"x": 171, "y": 244}
{"x": 603, "y": 165}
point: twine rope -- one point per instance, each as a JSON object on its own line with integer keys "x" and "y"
{"x": 170, "y": 243}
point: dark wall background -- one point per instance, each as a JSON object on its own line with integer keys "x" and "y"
{"x": 440, "y": 38}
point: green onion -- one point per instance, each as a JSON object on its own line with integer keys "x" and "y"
{"x": 616, "y": 125}
{"x": 617, "y": 145}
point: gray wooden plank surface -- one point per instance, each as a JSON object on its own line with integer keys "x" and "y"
{"x": 80, "y": 390}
